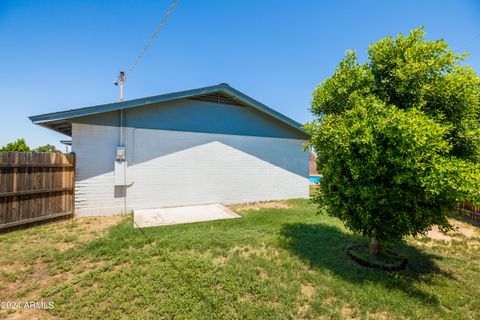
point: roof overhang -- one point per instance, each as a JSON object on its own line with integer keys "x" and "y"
{"x": 61, "y": 121}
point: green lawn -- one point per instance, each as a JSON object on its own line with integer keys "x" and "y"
{"x": 274, "y": 263}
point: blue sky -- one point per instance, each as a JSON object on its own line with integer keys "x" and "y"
{"x": 57, "y": 55}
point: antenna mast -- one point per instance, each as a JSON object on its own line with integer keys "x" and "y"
{"x": 120, "y": 82}
{"x": 122, "y": 77}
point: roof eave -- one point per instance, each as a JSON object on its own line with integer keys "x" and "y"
{"x": 45, "y": 119}
{"x": 74, "y": 113}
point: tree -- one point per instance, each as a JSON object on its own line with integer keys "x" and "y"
{"x": 18, "y": 145}
{"x": 397, "y": 138}
{"x": 47, "y": 148}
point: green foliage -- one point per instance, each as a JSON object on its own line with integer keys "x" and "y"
{"x": 398, "y": 137}
{"x": 19, "y": 145}
{"x": 47, "y": 148}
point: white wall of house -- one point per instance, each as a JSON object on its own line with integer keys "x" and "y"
{"x": 176, "y": 168}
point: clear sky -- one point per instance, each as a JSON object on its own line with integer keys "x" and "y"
{"x": 57, "y": 55}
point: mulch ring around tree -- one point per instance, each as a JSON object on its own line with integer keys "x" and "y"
{"x": 387, "y": 260}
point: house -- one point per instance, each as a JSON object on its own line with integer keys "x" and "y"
{"x": 202, "y": 146}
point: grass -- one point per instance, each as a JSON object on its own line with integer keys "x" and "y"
{"x": 277, "y": 262}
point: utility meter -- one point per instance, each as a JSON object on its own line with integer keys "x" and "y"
{"x": 120, "y": 153}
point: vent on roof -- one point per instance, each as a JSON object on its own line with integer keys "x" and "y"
{"x": 217, "y": 97}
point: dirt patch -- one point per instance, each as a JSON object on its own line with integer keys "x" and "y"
{"x": 65, "y": 246}
{"x": 255, "y": 206}
{"x": 219, "y": 260}
{"x": 262, "y": 273}
{"x": 467, "y": 230}
{"x": 42, "y": 280}
{"x": 308, "y": 290}
{"x": 95, "y": 225}
{"x": 246, "y": 297}
{"x": 38, "y": 266}
{"x": 378, "y": 315}
{"x": 303, "y": 308}
{"x": 306, "y": 293}
{"x": 460, "y": 229}
{"x": 247, "y": 251}
{"x": 330, "y": 300}
{"x": 349, "y": 312}
{"x": 62, "y": 235}
{"x": 436, "y": 234}
{"x": 31, "y": 314}
{"x": 28, "y": 287}
{"x": 274, "y": 304}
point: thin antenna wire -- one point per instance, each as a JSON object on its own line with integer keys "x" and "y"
{"x": 140, "y": 57}
{"x": 466, "y": 44}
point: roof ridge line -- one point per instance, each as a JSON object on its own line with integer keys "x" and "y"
{"x": 45, "y": 119}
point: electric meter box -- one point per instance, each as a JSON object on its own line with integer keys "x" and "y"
{"x": 120, "y": 166}
{"x": 120, "y": 155}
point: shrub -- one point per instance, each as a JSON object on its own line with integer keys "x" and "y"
{"x": 397, "y": 138}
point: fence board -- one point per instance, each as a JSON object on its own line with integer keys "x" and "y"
{"x": 471, "y": 210}
{"x": 35, "y": 187}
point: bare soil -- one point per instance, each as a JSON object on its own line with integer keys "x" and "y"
{"x": 256, "y": 206}
{"x": 461, "y": 229}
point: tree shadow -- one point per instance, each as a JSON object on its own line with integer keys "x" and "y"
{"x": 324, "y": 247}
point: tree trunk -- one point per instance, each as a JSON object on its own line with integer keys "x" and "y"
{"x": 374, "y": 247}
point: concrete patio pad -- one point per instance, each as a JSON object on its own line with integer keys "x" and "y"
{"x": 177, "y": 215}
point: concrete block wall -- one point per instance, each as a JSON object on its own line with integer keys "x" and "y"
{"x": 177, "y": 168}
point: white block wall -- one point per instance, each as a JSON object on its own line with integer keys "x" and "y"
{"x": 174, "y": 168}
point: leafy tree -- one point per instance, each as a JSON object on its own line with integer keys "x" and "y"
{"x": 47, "y": 148}
{"x": 18, "y": 145}
{"x": 397, "y": 138}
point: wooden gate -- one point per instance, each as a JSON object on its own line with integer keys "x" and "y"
{"x": 35, "y": 187}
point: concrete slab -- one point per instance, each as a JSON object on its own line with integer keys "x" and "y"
{"x": 178, "y": 215}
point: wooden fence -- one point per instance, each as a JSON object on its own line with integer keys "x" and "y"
{"x": 471, "y": 210}
{"x": 35, "y": 187}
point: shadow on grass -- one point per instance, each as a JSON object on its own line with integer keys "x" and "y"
{"x": 324, "y": 247}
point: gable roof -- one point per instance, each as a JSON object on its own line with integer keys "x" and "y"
{"x": 59, "y": 121}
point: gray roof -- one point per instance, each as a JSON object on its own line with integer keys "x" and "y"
{"x": 59, "y": 121}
